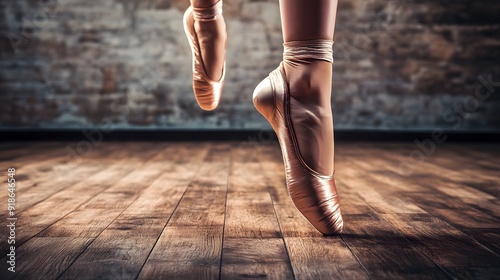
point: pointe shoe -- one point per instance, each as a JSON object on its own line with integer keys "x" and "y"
{"x": 314, "y": 194}
{"x": 206, "y": 91}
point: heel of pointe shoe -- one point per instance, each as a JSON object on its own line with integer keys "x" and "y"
{"x": 268, "y": 97}
{"x": 263, "y": 99}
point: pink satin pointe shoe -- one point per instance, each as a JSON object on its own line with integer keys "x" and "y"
{"x": 206, "y": 91}
{"x": 314, "y": 194}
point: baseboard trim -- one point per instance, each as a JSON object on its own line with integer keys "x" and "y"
{"x": 231, "y": 135}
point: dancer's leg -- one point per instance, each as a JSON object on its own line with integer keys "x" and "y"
{"x": 212, "y": 40}
{"x": 296, "y": 100}
{"x": 310, "y": 80}
{"x": 306, "y": 20}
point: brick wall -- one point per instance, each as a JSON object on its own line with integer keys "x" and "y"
{"x": 399, "y": 64}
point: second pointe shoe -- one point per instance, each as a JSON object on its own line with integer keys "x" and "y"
{"x": 314, "y": 194}
{"x": 206, "y": 91}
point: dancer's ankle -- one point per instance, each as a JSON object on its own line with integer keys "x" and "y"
{"x": 310, "y": 83}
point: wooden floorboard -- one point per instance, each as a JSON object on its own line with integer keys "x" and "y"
{"x": 221, "y": 210}
{"x": 37, "y": 185}
{"x": 253, "y": 246}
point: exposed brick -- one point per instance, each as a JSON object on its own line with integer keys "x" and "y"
{"x": 398, "y": 64}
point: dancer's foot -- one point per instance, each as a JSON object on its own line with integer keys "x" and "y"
{"x": 206, "y": 32}
{"x": 310, "y": 88}
{"x": 212, "y": 39}
{"x": 295, "y": 99}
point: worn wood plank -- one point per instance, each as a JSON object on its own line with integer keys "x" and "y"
{"x": 488, "y": 206}
{"x": 142, "y": 222}
{"x": 43, "y": 214}
{"x": 437, "y": 164}
{"x": 477, "y": 224}
{"x": 26, "y": 153}
{"x": 191, "y": 244}
{"x": 11, "y": 151}
{"x": 248, "y": 258}
{"x": 122, "y": 193}
{"x": 82, "y": 222}
{"x": 36, "y": 187}
{"x": 453, "y": 210}
{"x": 247, "y": 177}
{"x": 125, "y": 244}
{"x": 323, "y": 258}
{"x": 480, "y": 273}
{"x": 351, "y": 202}
{"x": 43, "y": 162}
{"x": 384, "y": 252}
{"x": 253, "y": 245}
{"x": 57, "y": 168}
{"x": 444, "y": 244}
{"x": 374, "y": 193}
{"x": 185, "y": 253}
{"x": 250, "y": 214}
{"x": 203, "y": 209}
{"x": 42, "y": 255}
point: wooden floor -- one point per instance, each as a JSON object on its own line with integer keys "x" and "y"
{"x": 200, "y": 210}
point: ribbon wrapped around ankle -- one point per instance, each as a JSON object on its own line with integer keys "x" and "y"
{"x": 305, "y": 51}
{"x": 208, "y": 13}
